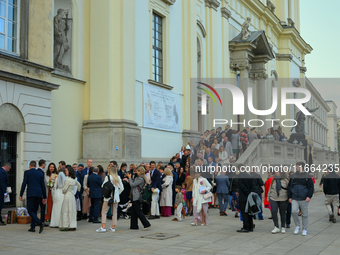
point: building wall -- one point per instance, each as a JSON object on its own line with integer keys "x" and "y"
{"x": 332, "y": 124}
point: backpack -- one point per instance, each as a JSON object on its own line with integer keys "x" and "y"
{"x": 108, "y": 188}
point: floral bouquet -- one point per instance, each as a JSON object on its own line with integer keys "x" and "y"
{"x": 50, "y": 183}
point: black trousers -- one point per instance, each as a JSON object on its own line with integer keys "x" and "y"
{"x": 33, "y": 204}
{"x": 247, "y": 219}
{"x": 281, "y": 207}
{"x": 136, "y": 213}
{"x": 288, "y": 213}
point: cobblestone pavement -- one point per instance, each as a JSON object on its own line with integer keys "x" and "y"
{"x": 218, "y": 238}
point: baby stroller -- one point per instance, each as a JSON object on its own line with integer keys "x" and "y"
{"x": 125, "y": 213}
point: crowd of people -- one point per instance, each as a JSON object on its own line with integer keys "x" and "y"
{"x": 148, "y": 191}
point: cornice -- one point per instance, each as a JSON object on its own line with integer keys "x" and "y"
{"x": 169, "y": 2}
{"x": 225, "y": 13}
{"x": 212, "y": 4}
{"x": 284, "y": 57}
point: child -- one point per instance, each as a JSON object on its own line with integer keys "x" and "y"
{"x": 178, "y": 204}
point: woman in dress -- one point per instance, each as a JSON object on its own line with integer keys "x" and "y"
{"x": 68, "y": 216}
{"x": 266, "y": 190}
{"x": 201, "y": 186}
{"x": 51, "y": 175}
{"x": 86, "y": 199}
{"x": 278, "y": 197}
{"x": 58, "y": 198}
{"x": 223, "y": 156}
{"x": 167, "y": 194}
{"x": 137, "y": 186}
{"x": 124, "y": 196}
{"x": 114, "y": 178}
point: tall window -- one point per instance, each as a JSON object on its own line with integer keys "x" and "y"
{"x": 9, "y": 25}
{"x": 157, "y": 48}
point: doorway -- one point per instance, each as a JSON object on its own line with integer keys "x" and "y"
{"x": 8, "y": 153}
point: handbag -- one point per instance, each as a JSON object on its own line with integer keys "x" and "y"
{"x": 208, "y": 195}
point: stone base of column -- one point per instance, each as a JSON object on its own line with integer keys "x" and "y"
{"x": 111, "y": 139}
{"x": 190, "y": 136}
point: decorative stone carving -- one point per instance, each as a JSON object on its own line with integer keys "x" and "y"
{"x": 291, "y": 22}
{"x": 245, "y": 29}
{"x": 239, "y": 66}
{"x": 296, "y": 82}
{"x": 303, "y": 69}
{"x": 274, "y": 73}
{"x": 212, "y": 4}
{"x": 169, "y": 2}
{"x": 300, "y": 119}
{"x": 61, "y": 42}
{"x": 271, "y": 6}
{"x": 225, "y": 13}
{"x": 258, "y": 75}
{"x": 284, "y": 57}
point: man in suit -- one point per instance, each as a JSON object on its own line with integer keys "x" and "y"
{"x": 95, "y": 184}
{"x": 258, "y": 183}
{"x": 222, "y": 190}
{"x": 252, "y": 135}
{"x": 209, "y": 154}
{"x": 228, "y": 132}
{"x": 42, "y": 165}
{"x": 175, "y": 178}
{"x": 36, "y": 194}
{"x": 245, "y": 185}
{"x": 227, "y": 146}
{"x": 62, "y": 165}
{"x": 3, "y": 187}
{"x": 156, "y": 188}
{"x": 200, "y": 156}
{"x": 211, "y": 161}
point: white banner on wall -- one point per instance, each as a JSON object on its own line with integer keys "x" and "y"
{"x": 161, "y": 109}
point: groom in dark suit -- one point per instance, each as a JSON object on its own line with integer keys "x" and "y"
{"x": 42, "y": 165}
{"x": 36, "y": 194}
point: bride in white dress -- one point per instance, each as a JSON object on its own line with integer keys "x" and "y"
{"x": 68, "y": 216}
{"x": 58, "y": 198}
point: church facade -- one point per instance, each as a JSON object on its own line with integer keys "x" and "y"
{"x": 113, "y": 79}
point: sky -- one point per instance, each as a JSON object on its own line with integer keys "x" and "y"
{"x": 319, "y": 27}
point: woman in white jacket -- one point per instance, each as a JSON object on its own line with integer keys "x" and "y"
{"x": 166, "y": 195}
{"x": 201, "y": 186}
{"x": 113, "y": 177}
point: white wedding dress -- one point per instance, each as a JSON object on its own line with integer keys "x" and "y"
{"x": 58, "y": 198}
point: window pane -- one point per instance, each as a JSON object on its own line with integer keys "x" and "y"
{"x": 11, "y": 12}
{"x": 2, "y": 42}
{"x": 11, "y": 44}
{"x": 2, "y": 25}
{"x": 2, "y": 8}
{"x": 11, "y": 29}
{"x": 12, "y": 2}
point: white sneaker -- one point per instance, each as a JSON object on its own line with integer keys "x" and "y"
{"x": 101, "y": 230}
{"x": 296, "y": 231}
{"x": 111, "y": 230}
{"x": 304, "y": 232}
{"x": 275, "y": 230}
{"x": 283, "y": 230}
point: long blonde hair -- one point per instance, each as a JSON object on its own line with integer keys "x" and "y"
{"x": 112, "y": 171}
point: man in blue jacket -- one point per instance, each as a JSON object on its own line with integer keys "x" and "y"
{"x": 156, "y": 188}
{"x": 222, "y": 190}
{"x": 300, "y": 191}
{"x": 36, "y": 194}
{"x": 94, "y": 184}
{"x": 3, "y": 187}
